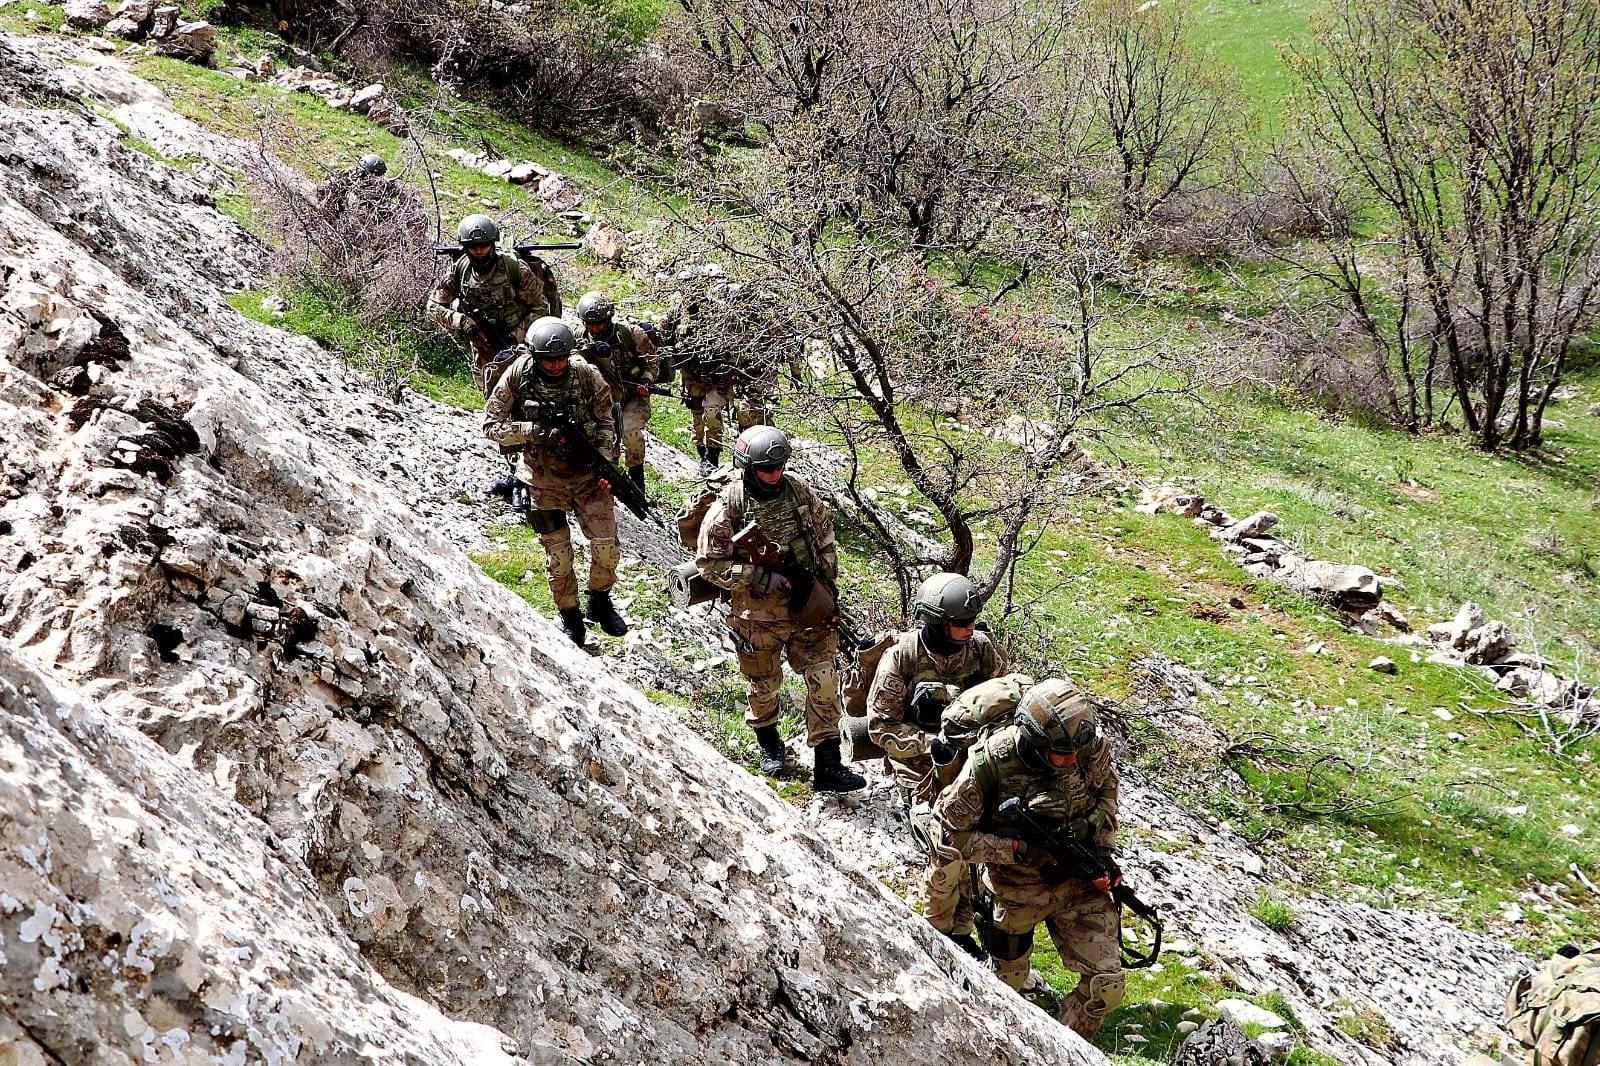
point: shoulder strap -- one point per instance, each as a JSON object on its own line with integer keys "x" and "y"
{"x": 733, "y": 501}
{"x": 983, "y": 772}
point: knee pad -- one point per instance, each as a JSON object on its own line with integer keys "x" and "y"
{"x": 822, "y": 683}
{"x": 545, "y": 522}
{"x": 1009, "y": 947}
{"x": 604, "y": 554}
{"x": 1105, "y": 992}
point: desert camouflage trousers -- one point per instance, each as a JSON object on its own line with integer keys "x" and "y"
{"x": 761, "y": 646}
{"x": 706, "y": 404}
{"x": 945, "y": 891}
{"x": 630, "y": 428}
{"x": 550, "y": 500}
{"x": 1083, "y": 925}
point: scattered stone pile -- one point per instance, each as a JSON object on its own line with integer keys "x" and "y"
{"x": 373, "y": 100}
{"x": 1354, "y": 591}
{"x": 162, "y": 29}
{"x": 1491, "y": 646}
{"x": 560, "y": 195}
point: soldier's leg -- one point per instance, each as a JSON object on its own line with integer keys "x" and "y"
{"x": 1084, "y": 932}
{"x": 550, "y": 523}
{"x": 1011, "y": 943}
{"x": 759, "y": 648}
{"x": 715, "y": 403}
{"x": 635, "y": 416}
{"x": 596, "y": 512}
{"x": 941, "y": 890}
{"x": 812, "y": 653}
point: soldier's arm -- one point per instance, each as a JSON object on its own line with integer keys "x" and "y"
{"x": 531, "y": 292}
{"x": 649, "y": 358}
{"x": 886, "y": 709}
{"x": 605, "y": 426}
{"x": 958, "y": 810}
{"x": 1102, "y": 777}
{"x": 440, "y": 312}
{"x": 994, "y": 660}
{"x": 827, "y": 547}
{"x": 497, "y": 412}
{"x": 714, "y": 551}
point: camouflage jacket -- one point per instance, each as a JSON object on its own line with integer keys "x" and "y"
{"x": 508, "y": 292}
{"x": 794, "y": 519}
{"x": 518, "y": 415}
{"x": 911, "y": 663}
{"x": 633, "y": 359}
{"x": 968, "y": 811}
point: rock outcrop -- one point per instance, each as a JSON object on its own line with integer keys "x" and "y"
{"x": 285, "y": 775}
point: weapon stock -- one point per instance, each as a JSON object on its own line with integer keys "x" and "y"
{"x": 583, "y": 450}
{"x": 455, "y": 250}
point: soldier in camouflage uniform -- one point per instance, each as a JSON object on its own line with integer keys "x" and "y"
{"x": 706, "y": 389}
{"x": 1056, "y": 762}
{"x": 535, "y": 388}
{"x": 916, "y": 679}
{"x": 1553, "y": 1013}
{"x": 756, "y": 385}
{"x": 627, "y": 357}
{"x": 504, "y": 288}
{"x": 764, "y": 623}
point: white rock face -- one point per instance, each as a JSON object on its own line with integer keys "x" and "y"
{"x": 285, "y": 778}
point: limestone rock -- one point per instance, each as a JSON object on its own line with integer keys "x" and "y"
{"x": 273, "y": 748}
{"x": 558, "y": 193}
{"x": 365, "y": 98}
{"x": 1383, "y": 665}
{"x": 606, "y": 242}
{"x": 1254, "y": 526}
{"x": 1220, "y": 1042}
{"x": 1453, "y": 634}
{"x": 86, "y": 14}
{"x": 524, "y": 173}
{"x": 1345, "y": 586}
{"x": 1247, "y": 1013}
{"x": 193, "y": 42}
{"x": 138, "y": 12}
{"x": 497, "y": 168}
{"x": 1594, "y": 409}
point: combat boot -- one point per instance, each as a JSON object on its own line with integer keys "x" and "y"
{"x": 713, "y": 458}
{"x": 636, "y": 475}
{"x": 572, "y": 622}
{"x": 828, "y": 774}
{"x": 966, "y": 943}
{"x": 519, "y": 497}
{"x": 705, "y": 463}
{"x": 774, "y": 755}
{"x": 604, "y": 614}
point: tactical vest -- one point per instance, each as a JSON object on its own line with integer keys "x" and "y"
{"x": 625, "y": 363}
{"x": 1056, "y": 795}
{"x": 539, "y": 396}
{"x": 495, "y": 291}
{"x": 784, "y": 518}
{"x": 962, "y": 669}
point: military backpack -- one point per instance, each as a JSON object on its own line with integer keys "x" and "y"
{"x": 1555, "y": 1013}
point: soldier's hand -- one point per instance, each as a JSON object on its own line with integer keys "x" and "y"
{"x": 1025, "y": 854}
{"x": 641, "y": 390}
{"x": 524, "y": 429}
{"x": 603, "y": 485}
{"x": 943, "y": 754}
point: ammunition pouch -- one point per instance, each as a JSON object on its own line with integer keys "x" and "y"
{"x": 547, "y": 521}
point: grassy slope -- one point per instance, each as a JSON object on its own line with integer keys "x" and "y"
{"x": 1115, "y": 586}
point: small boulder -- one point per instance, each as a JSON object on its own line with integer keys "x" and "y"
{"x": 137, "y": 12}
{"x": 1453, "y": 634}
{"x": 1254, "y": 526}
{"x": 1247, "y": 1013}
{"x": 524, "y": 173}
{"x": 123, "y": 27}
{"x": 193, "y": 42}
{"x": 1346, "y": 586}
{"x": 497, "y": 168}
{"x": 559, "y": 194}
{"x": 1594, "y": 409}
{"x": 87, "y": 14}
{"x": 1220, "y": 1042}
{"x": 1488, "y": 643}
{"x": 606, "y": 242}
{"x": 1383, "y": 665}
{"x": 164, "y": 20}
{"x": 365, "y": 98}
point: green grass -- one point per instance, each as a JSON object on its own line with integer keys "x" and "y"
{"x": 1273, "y": 912}
{"x": 32, "y": 16}
{"x": 427, "y": 362}
{"x": 1247, "y": 37}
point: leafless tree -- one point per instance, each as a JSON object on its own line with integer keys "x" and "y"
{"x": 1471, "y": 125}
{"x": 1159, "y": 112}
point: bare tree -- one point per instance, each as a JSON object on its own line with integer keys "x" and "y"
{"x": 1471, "y": 125}
{"x": 1159, "y": 112}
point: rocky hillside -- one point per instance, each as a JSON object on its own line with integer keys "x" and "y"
{"x": 287, "y": 778}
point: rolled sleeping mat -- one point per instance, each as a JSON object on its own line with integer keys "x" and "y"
{"x": 856, "y": 745}
{"x": 685, "y": 586}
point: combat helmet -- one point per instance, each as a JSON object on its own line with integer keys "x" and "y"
{"x": 477, "y": 229}
{"x": 595, "y": 308}
{"x": 372, "y": 165}
{"x": 947, "y": 597}
{"x": 1055, "y": 716}
{"x": 551, "y": 336}
{"x": 761, "y": 448}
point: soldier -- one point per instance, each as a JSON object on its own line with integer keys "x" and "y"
{"x": 766, "y": 625}
{"x": 504, "y": 289}
{"x": 1056, "y": 763}
{"x": 538, "y": 389}
{"x": 354, "y": 185}
{"x": 925, "y": 669}
{"x": 1553, "y": 1014}
{"x": 756, "y": 383}
{"x": 627, "y": 358}
{"x": 706, "y": 389}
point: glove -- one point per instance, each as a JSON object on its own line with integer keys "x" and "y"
{"x": 524, "y": 429}
{"x": 641, "y": 390}
{"x": 766, "y": 581}
{"x": 601, "y": 349}
{"x": 943, "y": 754}
{"x": 456, "y": 320}
{"x": 1025, "y": 854}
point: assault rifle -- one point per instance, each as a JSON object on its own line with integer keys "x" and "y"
{"x": 813, "y": 599}
{"x": 1073, "y": 858}
{"x": 582, "y": 451}
{"x": 503, "y": 342}
{"x": 631, "y": 388}
{"x": 455, "y": 250}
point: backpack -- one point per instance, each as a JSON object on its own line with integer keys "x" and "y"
{"x": 856, "y": 680}
{"x": 546, "y": 276}
{"x": 692, "y": 515}
{"x": 982, "y": 709}
{"x": 1555, "y": 1013}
